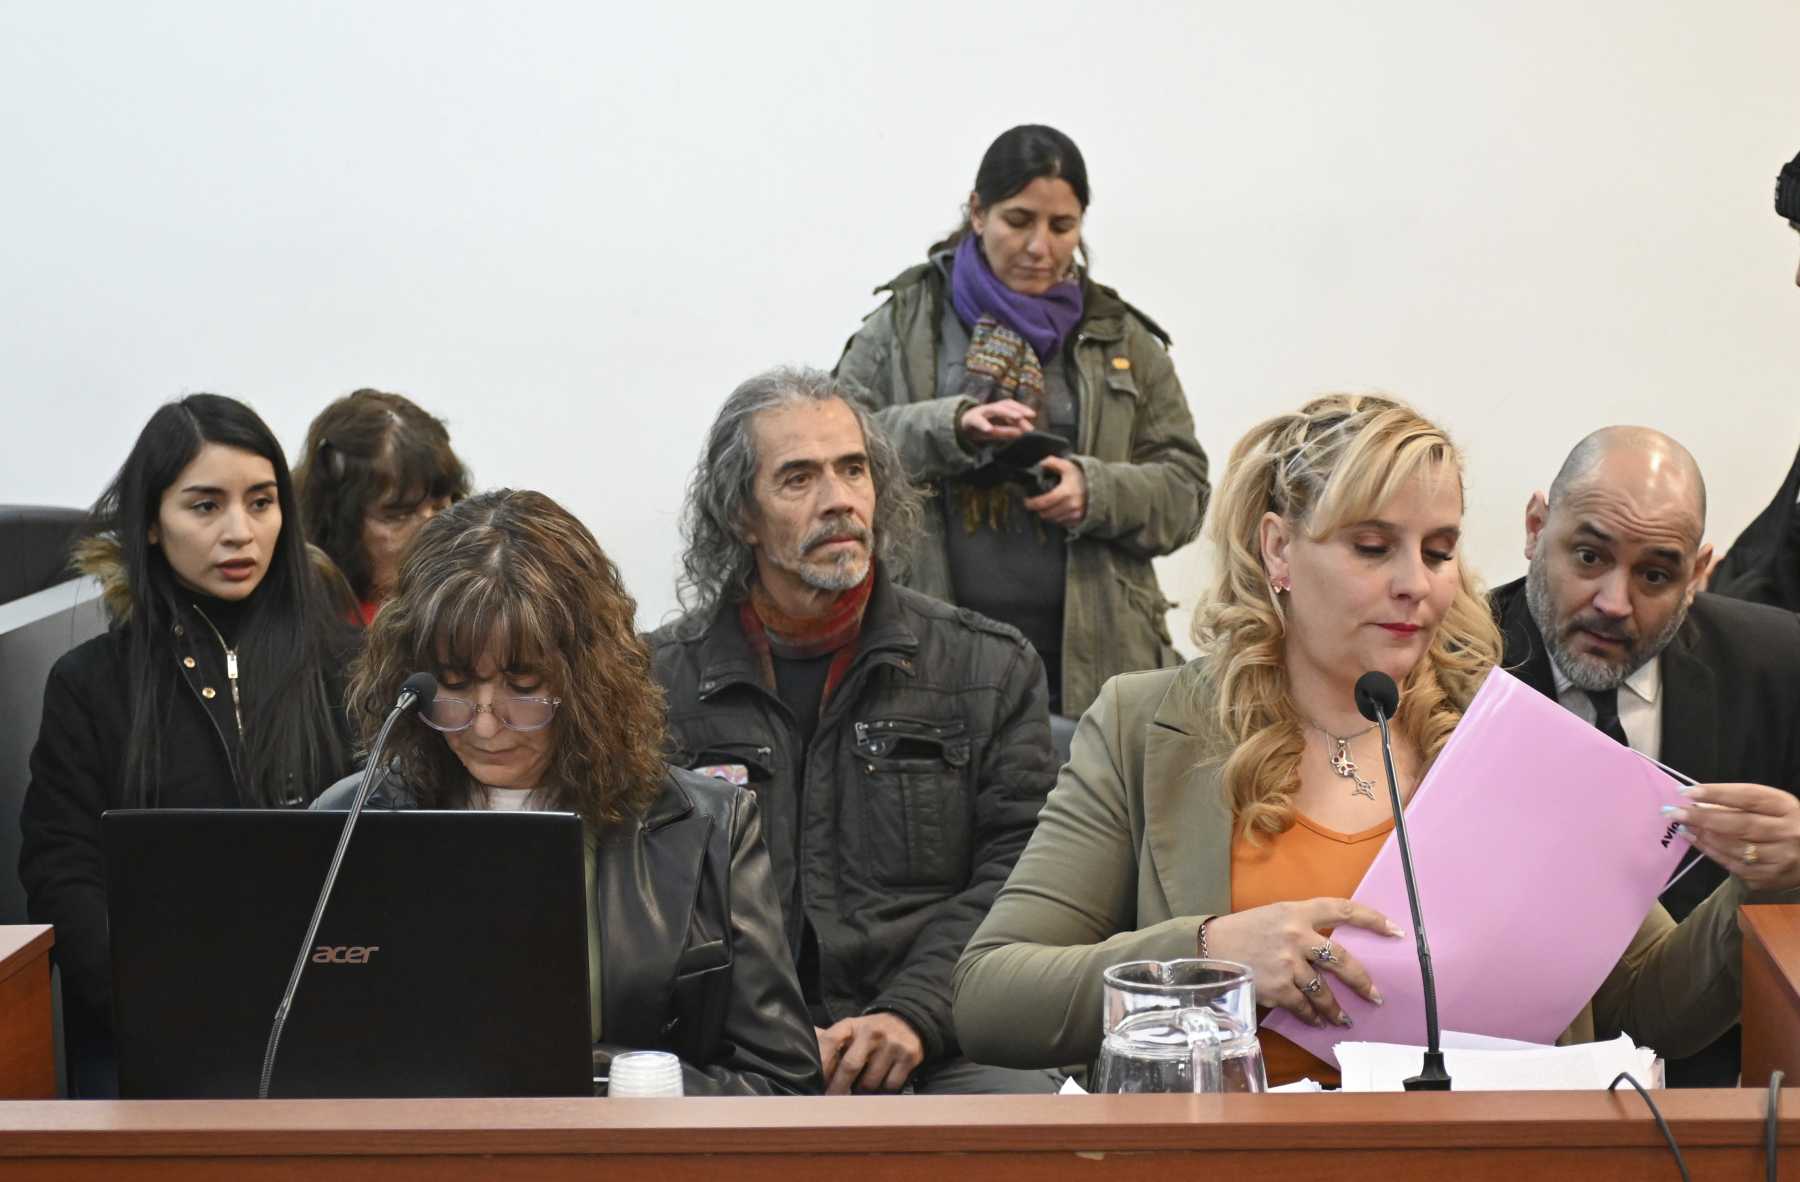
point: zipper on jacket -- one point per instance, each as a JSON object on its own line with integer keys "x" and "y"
{"x": 1087, "y": 418}
{"x": 231, "y": 671}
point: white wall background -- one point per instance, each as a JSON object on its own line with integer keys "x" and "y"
{"x": 571, "y": 228}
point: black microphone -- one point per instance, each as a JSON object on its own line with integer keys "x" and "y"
{"x": 1377, "y": 697}
{"x": 416, "y": 691}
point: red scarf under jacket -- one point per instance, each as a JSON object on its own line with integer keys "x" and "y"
{"x": 773, "y": 633}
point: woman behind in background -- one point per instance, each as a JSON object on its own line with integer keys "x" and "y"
{"x": 1047, "y": 410}
{"x": 211, "y": 689}
{"x": 374, "y": 468}
{"x": 545, "y": 702}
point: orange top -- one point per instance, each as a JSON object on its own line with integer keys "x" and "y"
{"x": 1306, "y": 862}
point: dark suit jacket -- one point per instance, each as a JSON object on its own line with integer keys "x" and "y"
{"x": 1763, "y": 565}
{"x": 1730, "y": 699}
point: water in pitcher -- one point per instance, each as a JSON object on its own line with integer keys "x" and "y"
{"x": 1154, "y": 1052}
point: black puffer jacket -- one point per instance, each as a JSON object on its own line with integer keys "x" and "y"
{"x": 921, "y": 788}
{"x": 691, "y": 955}
{"x": 77, "y": 773}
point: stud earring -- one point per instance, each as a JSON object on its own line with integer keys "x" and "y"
{"x": 1282, "y": 585}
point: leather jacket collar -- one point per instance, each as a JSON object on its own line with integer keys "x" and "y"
{"x": 726, "y": 659}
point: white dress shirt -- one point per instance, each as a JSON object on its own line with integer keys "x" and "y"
{"x": 1639, "y": 711}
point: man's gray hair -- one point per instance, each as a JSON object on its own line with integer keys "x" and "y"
{"x": 717, "y": 563}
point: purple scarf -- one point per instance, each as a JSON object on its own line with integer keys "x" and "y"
{"x": 1045, "y": 321}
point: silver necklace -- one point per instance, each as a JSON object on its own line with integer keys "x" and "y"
{"x": 1342, "y": 764}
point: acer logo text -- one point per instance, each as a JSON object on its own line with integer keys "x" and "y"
{"x": 344, "y": 953}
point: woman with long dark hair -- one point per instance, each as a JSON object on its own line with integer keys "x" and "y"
{"x": 209, "y": 690}
{"x": 1047, "y": 411}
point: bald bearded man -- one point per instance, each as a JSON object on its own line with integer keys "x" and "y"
{"x": 1610, "y": 621}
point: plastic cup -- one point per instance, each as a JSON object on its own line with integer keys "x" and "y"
{"x": 644, "y": 1075}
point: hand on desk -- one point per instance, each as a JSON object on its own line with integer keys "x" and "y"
{"x": 1752, "y": 830}
{"x": 874, "y": 1053}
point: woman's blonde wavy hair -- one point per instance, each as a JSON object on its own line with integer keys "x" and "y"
{"x": 517, "y": 570}
{"x": 1336, "y": 461}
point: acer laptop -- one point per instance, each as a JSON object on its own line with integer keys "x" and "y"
{"x": 451, "y": 961}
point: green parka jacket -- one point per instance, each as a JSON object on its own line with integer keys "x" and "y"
{"x": 1146, "y": 474}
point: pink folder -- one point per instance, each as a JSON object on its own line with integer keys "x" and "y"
{"x": 1539, "y": 848}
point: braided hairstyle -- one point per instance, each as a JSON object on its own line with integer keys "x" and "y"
{"x": 1337, "y": 460}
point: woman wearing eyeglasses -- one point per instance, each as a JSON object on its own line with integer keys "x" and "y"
{"x": 545, "y": 702}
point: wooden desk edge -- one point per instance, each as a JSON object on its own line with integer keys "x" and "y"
{"x": 1768, "y": 925}
{"x": 878, "y": 1125}
{"x": 21, "y": 945}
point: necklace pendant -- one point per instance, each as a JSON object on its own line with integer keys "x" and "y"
{"x": 1344, "y": 766}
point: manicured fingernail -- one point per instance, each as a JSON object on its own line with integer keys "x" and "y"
{"x": 1669, "y": 810}
{"x": 1375, "y": 996}
{"x": 1684, "y": 831}
{"x": 1343, "y": 1019}
{"x": 1395, "y": 930}
{"x": 1689, "y": 789}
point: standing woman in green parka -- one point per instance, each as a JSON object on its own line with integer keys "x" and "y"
{"x": 1047, "y": 413}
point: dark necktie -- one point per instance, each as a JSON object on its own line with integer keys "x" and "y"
{"x": 1606, "y": 714}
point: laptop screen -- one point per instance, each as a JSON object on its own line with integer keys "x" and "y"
{"x": 451, "y": 960}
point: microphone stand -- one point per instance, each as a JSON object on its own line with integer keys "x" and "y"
{"x": 1432, "y": 1077}
{"x": 409, "y": 697}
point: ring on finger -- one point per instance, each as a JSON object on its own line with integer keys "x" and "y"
{"x": 1322, "y": 954}
{"x": 1749, "y": 857}
{"x": 1312, "y": 987}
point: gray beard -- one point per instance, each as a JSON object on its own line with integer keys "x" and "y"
{"x": 843, "y": 573}
{"x": 1584, "y": 671}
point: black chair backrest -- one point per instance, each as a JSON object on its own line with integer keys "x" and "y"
{"x": 35, "y": 541}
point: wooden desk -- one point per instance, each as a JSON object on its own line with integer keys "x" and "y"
{"x": 27, "y": 1054}
{"x": 1771, "y": 992}
{"x": 1470, "y": 1137}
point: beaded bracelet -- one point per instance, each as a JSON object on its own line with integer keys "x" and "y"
{"x": 1203, "y": 924}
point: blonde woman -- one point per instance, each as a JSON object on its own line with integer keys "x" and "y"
{"x": 1230, "y": 807}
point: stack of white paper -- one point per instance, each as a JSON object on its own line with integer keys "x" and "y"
{"x": 1382, "y": 1066}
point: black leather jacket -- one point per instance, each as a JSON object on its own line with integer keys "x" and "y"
{"x": 921, "y": 787}
{"x": 692, "y": 956}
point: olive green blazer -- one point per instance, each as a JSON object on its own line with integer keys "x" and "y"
{"x": 1133, "y": 851}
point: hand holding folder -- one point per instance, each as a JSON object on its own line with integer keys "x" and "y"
{"x": 1540, "y": 846}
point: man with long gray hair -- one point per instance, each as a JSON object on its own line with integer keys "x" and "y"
{"x": 899, "y": 746}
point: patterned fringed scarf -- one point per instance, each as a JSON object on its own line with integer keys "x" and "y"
{"x": 1011, "y": 335}
{"x": 773, "y": 633}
